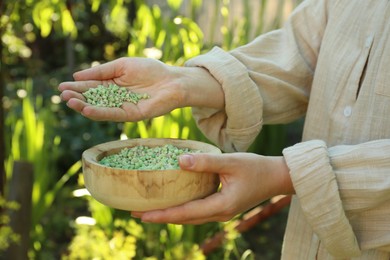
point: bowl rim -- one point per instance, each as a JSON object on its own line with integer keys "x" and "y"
{"x": 91, "y": 154}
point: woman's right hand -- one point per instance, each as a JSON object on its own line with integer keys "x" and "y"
{"x": 169, "y": 87}
{"x": 140, "y": 75}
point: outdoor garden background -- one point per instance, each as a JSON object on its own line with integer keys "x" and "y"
{"x": 42, "y": 43}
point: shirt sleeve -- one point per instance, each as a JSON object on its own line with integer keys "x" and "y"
{"x": 266, "y": 81}
{"x": 344, "y": 192}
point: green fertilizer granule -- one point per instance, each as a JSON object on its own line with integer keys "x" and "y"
{"x": 147, "y": 158}
{"x": 112, "y": 96}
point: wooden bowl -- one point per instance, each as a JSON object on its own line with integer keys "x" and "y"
{"x": 143, "y": 190}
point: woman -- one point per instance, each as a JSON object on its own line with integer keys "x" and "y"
{"x": 329, "y": 63}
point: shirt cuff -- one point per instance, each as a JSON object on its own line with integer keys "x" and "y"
{"x": 242, "y": 117}
{"x": 317, "y": 191}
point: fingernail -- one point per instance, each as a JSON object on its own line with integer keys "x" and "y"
{"x": 186, "y": 160}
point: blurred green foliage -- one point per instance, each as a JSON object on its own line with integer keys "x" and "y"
{"x": 42, "y": 43}
{"x": 7, "y": 235}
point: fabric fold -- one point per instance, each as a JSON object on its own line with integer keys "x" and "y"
{"x": 317, "y": 191}
{"x": 237, "y": 117}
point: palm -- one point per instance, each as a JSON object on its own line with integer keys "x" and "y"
{"x": 140, "y": 75}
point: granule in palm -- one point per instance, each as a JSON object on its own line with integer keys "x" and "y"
{"x": 112, "y": 96}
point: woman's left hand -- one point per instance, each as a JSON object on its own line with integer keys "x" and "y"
{"x": 247, "y": 180}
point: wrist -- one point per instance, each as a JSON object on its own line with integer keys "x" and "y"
{"x": 285, "y": 185}
{"x": 199, "y": 88}
{"x": 288, "y": 187}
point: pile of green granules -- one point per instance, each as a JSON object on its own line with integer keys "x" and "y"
{"x": 112, "y": 96}
{"x": 146, "y": 158}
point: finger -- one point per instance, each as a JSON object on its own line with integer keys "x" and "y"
{"x": 127, "y": 112}
{"x": 76, "y": 104}
{"x": 80, "y": 86}
{"x": 173, "y": 217}
{"x": 68, "y": 94}
{"x": 194, "y": 212}
{"x": 204, "y": 162}
{"x": 137, "y": 214}
{"x": 97, "y": 113}
{"x": 105, "y": 71}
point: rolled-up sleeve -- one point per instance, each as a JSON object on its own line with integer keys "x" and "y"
{"x": 317, "y": 190}
{"x": 235, "y": 128}
{"x": 344, "y": 193}
{"x": 266, "y": 81}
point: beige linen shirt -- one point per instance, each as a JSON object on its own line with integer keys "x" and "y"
{"x": 331, "y": 64}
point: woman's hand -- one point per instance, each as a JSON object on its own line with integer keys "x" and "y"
{"x": 247, "y": 180}
{"x": 169, "y": 88}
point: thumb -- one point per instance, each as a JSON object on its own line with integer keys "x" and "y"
{"x": 105, "y": 71}
{"x": 202, "y": 162}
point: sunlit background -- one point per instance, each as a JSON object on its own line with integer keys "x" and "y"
{"x": 42, "y": 43}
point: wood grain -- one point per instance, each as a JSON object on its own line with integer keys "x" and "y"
{"x": 143, "y": 190}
